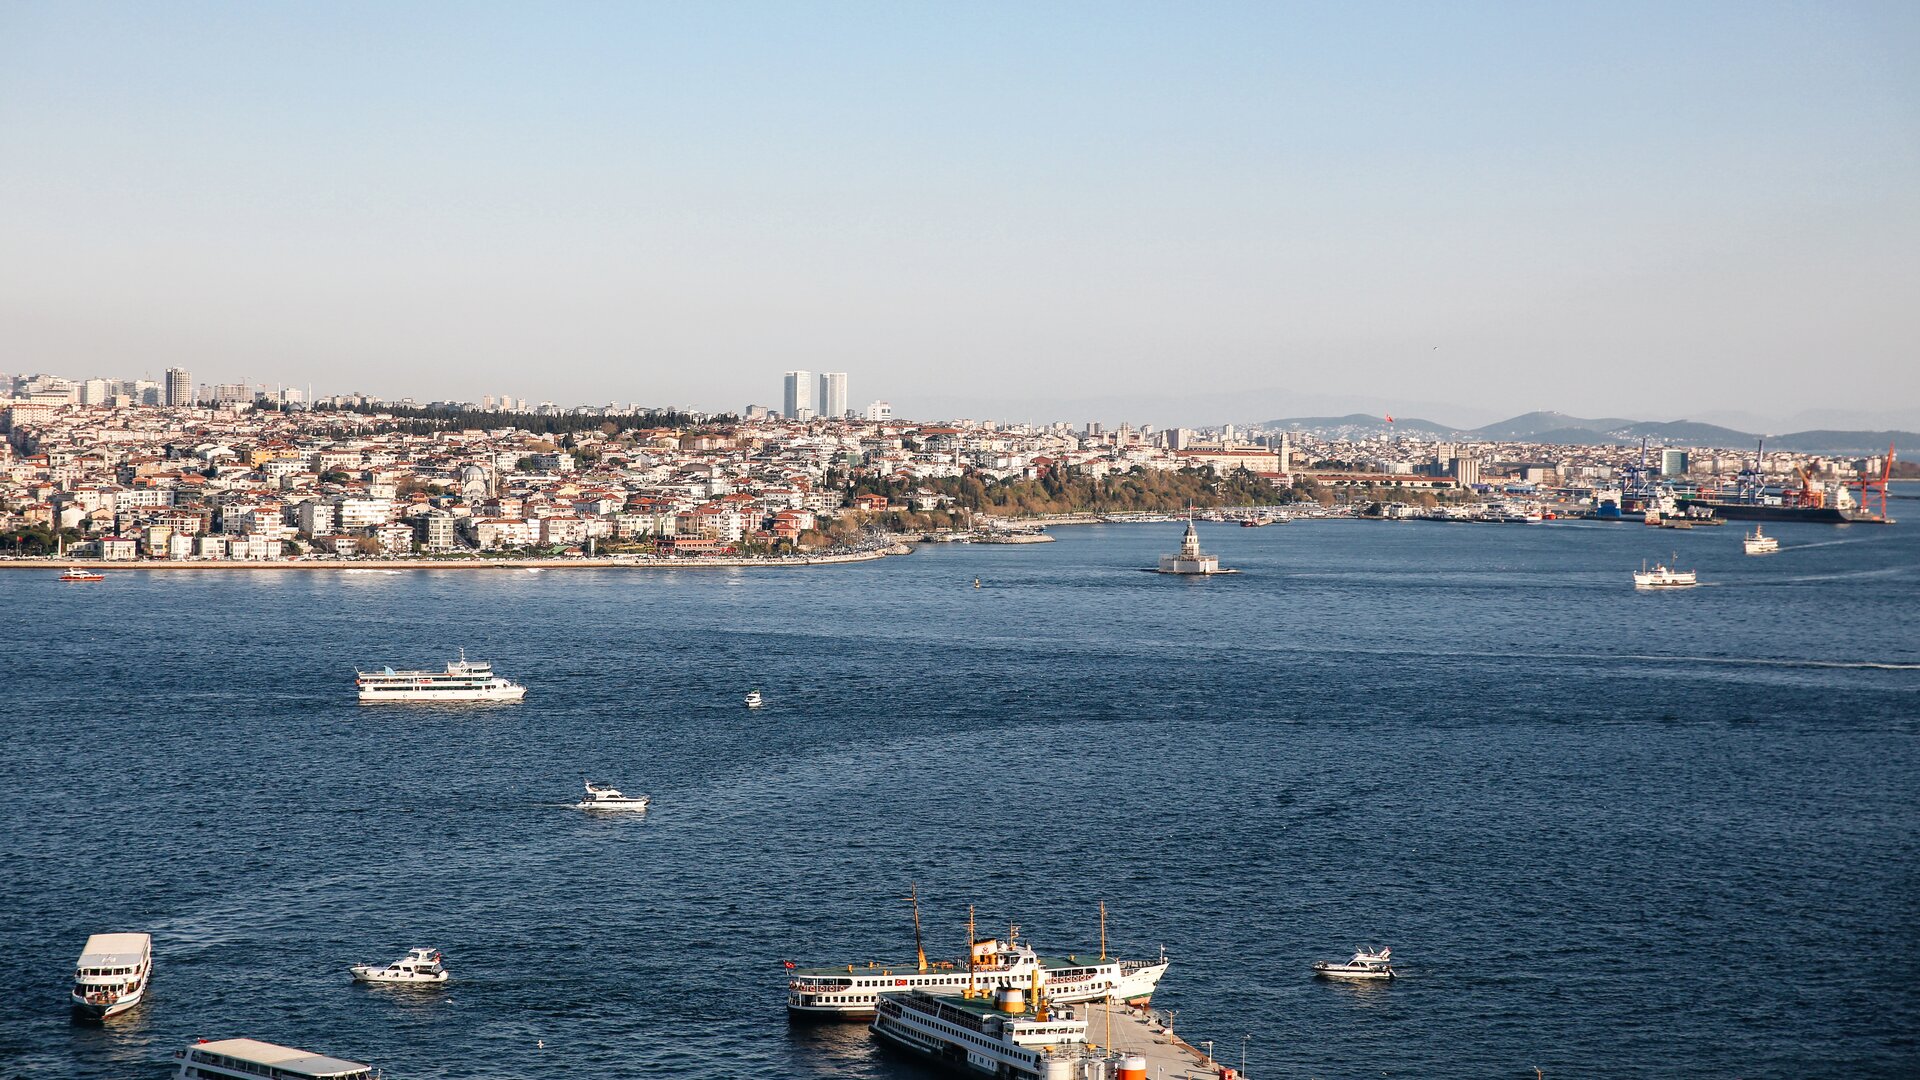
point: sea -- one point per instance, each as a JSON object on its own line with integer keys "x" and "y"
{"x": 1606, "y": 833}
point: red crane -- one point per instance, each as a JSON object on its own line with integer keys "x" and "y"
{"x": 1869, "y": 487}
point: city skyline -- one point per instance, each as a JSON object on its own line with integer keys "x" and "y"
{"x": 1146, "y": 214}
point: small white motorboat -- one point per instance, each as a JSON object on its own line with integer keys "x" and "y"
{"x": 1759, "y": 543}
{"x": 75, "y": 573}
{"x": 606, "y": 798}
{"x": 753, "y": 700}
{"x": 1366, "y": 964}
{"x": 1661, "y": 576}
{"x": 420, "y": 967}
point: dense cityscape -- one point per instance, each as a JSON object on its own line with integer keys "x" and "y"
{"x": 140, "y": 470}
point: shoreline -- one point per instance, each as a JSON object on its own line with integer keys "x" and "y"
{"x": 397, "y": 565}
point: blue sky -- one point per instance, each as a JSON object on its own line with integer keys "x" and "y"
{"x": 1164, "y": 213}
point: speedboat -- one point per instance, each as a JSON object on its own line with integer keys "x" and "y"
{"x": 419, "y": 967}
{"x": 753, "y": 700}
{"x": 1664, "y": 577}
{"x": 1759, "y": 543}
{"x": 606, "y": 798}
{"x": 75, "y": 573}
{"x": 1366, "y": 964}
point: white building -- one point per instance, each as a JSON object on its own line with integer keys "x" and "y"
{"x": 799, "y": 394}
{"x": 833, "y": 395}
{"x": 879, "y": 410}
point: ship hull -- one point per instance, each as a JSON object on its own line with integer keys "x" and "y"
{"x": 416, "y": 697}
{"x": 1823, "y": 515}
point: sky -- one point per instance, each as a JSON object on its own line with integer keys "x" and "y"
{"x": 1164, "y": 213}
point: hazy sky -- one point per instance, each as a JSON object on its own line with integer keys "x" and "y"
{"x": 1170, "y": 212}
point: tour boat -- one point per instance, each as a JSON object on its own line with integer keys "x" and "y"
{"x": 418, "y": 967}
{"x": 1758, "y": 543}
{"x": 1664, "y": 577}
{"x": 251, "y": 1059}
{"x": 112, "y": 973}
{"x": 606, "y": 798}
{"x": 464, "y": 680}
{"x": 851, "y": 991}
{"x": 75, "y": 573}
{"x": 1365, "y": 964}
{"x": 753, "y": 700}
{"x": 1006, "y": 1034}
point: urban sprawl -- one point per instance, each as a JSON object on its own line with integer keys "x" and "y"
{"x": 145, "y": 470}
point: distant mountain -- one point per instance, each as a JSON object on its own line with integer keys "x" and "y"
{"x": 1559, "y": 429}
{"x": 1357, "y": 422}
{"x": 1863, "y": 443}
{"x": 1530, "y": 426}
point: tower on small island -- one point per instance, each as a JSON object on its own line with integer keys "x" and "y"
{"x": 1191, "y": 560}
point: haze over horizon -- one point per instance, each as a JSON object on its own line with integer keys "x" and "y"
{"x": 1175, "y": 216}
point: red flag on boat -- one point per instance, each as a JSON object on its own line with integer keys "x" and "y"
{"x": 789, "y": 963}
{"x": 1389, "y": 418}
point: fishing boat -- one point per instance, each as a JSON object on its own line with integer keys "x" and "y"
{"x": 1366, "y": 964}
{"x": 75, "y": 573}
{"x": 112, "y": 973}
{"x": 851, "y": 991}
{"x": 420, "y": 967}
{"x": 1662, "y": 576}
{"x": 1758, "y": 543}
{"x": 606, "y": 798}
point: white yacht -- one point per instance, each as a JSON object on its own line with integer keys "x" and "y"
{"x": 420, "y": 967}
{"x": 606, "y": 798}
{"x": 112, "y": 973}
{"x": 753, "y": 700}
{"x": 464, "y": 680}
{"x": 1759, "y": 543}
{"x": 1661, "y": 576}
{"x": 851, "y": 991}
{"x": 1366, "y": 964}
{"x": 251, "y": 1059}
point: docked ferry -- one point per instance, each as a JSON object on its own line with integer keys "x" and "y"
{"x": 1003, "y": 1036}
{"x": 251, "y": 1059}
{"x": 111, "y": 974}
{"x": 852, "y": 992}
{"x": 464, "y": 680}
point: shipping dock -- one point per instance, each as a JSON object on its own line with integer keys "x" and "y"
{"x": 1145, "y": 1033}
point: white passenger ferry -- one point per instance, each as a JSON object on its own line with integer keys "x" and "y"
{"x": 111, "y": 975}
{"x": 1759, "y": 543}
{"x": 852, "y": 992}
{"x": 251, "y": 1059}
{"x": 1662, "y": 576}
{"x": 464, "y": 680}
{"x": 1007, "y": 1035}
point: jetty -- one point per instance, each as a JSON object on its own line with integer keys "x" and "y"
{"x": 1148, "y": 1034}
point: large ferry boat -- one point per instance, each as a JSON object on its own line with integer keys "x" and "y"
{"x": 111, "y": 974}
{"x": 1005, "y": 1035}
{"x": 251, "y": 1059}
{"x": 464, "y": 680}
{"x": 852, "y": 991}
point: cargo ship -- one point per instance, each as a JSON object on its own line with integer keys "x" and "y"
{"x": 1752, "y": 499}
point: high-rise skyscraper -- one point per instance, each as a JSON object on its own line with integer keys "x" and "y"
{"x": 833, "y": 394}
{"x": 179, "y": 386}
{"x": 799, "y": 394}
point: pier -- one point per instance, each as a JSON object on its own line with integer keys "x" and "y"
{"x": 1145, "y": 1032}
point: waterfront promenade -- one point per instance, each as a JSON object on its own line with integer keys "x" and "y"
{"x": 614, "y": 562}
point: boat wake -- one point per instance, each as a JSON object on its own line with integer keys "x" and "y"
{"x": 395, "y": 573}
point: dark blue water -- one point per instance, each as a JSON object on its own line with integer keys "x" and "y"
{"x": 1606, "y": 833}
